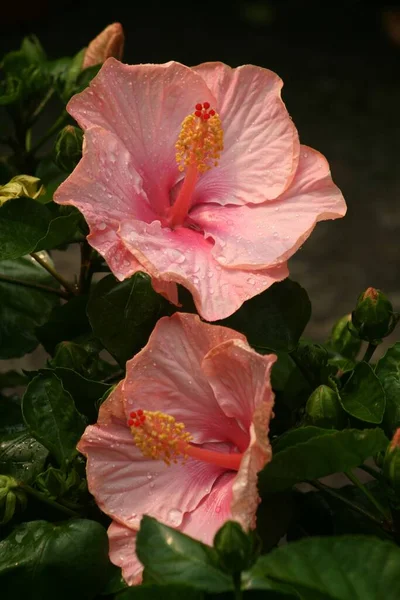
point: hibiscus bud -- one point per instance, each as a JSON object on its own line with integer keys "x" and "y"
{"x": 68, "y": 148}
{"x": 343, "y": 340}
{"x": 237, "y": 550}
{"x": 323, "y": 409}
{"x": 21, "y": 185}
{"x": 391, "y": 463}
{"x": 10, "y": 495}
{"x": 373, "y": 317}
{"x": 110, "y": 42}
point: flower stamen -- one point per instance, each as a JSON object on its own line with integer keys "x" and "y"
{"x": 159, "y": 437}
{"x": 198, "y": 149}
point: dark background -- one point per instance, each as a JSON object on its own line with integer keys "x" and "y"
{"x": 340, "y": 62}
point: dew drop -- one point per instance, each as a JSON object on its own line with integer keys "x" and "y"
{"x": 174, "y": 516}
{"x": 217, "y": 509}
{"x": 101, "y": 226}
{"x": 251, "y": 281}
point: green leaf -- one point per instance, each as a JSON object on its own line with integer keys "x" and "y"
{"x": 123, "y": 315}
{"x": 274, "y": 516}
{"x": 10, "y": 90}
{"x": 169, "y": 556}
{"x": 23, "y": 309}
{"x": 160, "y": 592}
{"x": 66, "y": 322}
{"x": 12, "y": 379}
{"x": 363, "y": 396}
{"x": 275, "y": 319}
{"x": 323, "y": 453}
{"x": 23, "y": 223}
{"x": 50, "y": 414}
{"x": 85, "y": 392}
{"x": 21, "y": 456}
{"x": 332, "y": 568}
{"x": 388, "y": 372}
{"x": 42, "y": 561}
{"x": 10, "y": 416}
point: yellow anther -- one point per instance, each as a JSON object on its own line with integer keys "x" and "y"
{"x": 201, "y": 140}
{"x": 158, "y": 436}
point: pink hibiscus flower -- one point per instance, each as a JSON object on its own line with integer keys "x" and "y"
{"x": 182, "y": 437}
{"x": 196, "y": 176}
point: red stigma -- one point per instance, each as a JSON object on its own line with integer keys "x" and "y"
{"x": 198, "y": 113}
{"x": 211, "y": 113}
{"x": 198, "y": 107}
{"x": 206, "y": 116}
{"x": 137, "y": 418}
{"x": 206, "y": 105}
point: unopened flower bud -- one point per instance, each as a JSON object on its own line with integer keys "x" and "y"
{"x": 10, "y": 497}
{"x": 21, "y": 186}
{"x": 391, "y": 463}
{"x": 110, "y": 42}
{"x": 68, "y": 148}
{"x": 373, "y": 317}
{"x": 323, "y": 409}
{"x": 237, "y": 549}
{"x": 342, "y": 340}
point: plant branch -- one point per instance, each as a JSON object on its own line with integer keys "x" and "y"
{"x": 369, "y": 352}
{"x": 35, "y": 286}
{"x": 50, "y": 269}
{"x": 43, "y": 498}
{"x": 86, "y": 272}
{"x": 359, "y": 509}
{"x": 350, "y": 475}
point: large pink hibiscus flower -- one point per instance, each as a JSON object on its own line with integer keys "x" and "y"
{"x": 182, "y": 437}
{"x": 196, "y": 176}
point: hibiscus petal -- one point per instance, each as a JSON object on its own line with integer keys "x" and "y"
{"x": 126, "y": 485}
{"x": 122, "y": 552}
{"x": 144, "y": 105}
{"x": 264, "y": 235}
{"x": 106, "y": 188}
{"x": 240, "y": 379}
{"x": 212, "y": 512}
{"x": 166, "y": 376}
{"x": 184, "y": 256}
{"x": 261, "y": 145}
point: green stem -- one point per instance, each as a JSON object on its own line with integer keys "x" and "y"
{"x": 50, "y": 269}
{"x": 86, "y": 272}
{"x": 374, "y": 472}
{"x": 359, "y": 509}
{"x": 350, "y": 475}
{"x": 237, "y": 585}
{"x": 42, "y": 498}
{"x": 35, "y": 286}
{"x": 369, "y": 352}
{"x": 28, "y": 140}
{"x": 41, "y": 106}
{"x": 53, "y": 129}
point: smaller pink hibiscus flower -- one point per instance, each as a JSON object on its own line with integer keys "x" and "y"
{"x": 182, "y": 437}
{"x": 196, "y": 176}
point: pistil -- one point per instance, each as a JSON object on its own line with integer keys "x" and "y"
{"x": 198, "y": 149}
{"x": 160, "y": 437}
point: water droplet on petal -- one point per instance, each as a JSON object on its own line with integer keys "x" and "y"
{"x": 101, "y": 226}
{"x": 217, "y": 509}
{"x": 174, "y": 516}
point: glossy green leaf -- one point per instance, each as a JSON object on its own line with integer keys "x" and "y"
{"x": 50, "y": 414}
{"x": 123, "y": 315}
{"x": 21, "y": 456}
{"x": 323, "y": 453}
{"x": 388, "y": 372}
{"x": 85, "y": 392}
{"x": 23, "y": 223}
{"x": 23, "y": 309}
{"x": 170, "y": 557}
{"x": 275, "y": 319}
{"x": 42, "y": 561}
{"x": 331, "y": 568}
{"x": 363, "y": 396}
{"x": 66, "y": 322}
